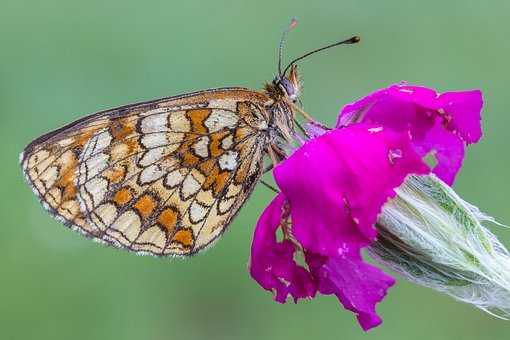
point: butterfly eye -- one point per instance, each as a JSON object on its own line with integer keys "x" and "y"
{"x": 289, "y": 88}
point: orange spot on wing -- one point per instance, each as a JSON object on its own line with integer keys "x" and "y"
{"x": 197, "y": 118}
{"x": 69, "y": 192}
{"x": 84, "y": 137}
{"x": 215, "y": 143}
{"x": 220, "y": 182}
{"x": 123, "y": 131}
{"x": 216, "y": 179}
{"x": 86, "y": 134}
{"x": 184, "y": 237}
{"x": 122, "y": 128}
{"x": 132, "y": 144}
{"x": 66, "y": 182}
{"x": 145, "y": 205}
{"x": 168, "y": 219}
{"x": 188, "y": 157}
{"x": 122, "y": 196}
{"x": 207, "y": 166}
{"x": 115, "y": 174}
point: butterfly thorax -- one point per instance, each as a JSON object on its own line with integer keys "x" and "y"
{"x": 283, "y": 91}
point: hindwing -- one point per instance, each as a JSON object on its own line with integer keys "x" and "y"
{"x": 163, "y": 177}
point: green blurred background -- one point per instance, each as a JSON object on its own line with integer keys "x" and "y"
{"x": 61, "y": 59}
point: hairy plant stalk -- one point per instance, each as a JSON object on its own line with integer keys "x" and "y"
{"x": 432, "y": 237}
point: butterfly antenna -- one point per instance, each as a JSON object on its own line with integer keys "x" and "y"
{"x": 352, "y": 40}
{"x": 293, "y": 23}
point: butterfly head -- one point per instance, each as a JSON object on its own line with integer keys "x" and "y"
{"x": 285, "y": 87}
{"x": 289, "y": 85}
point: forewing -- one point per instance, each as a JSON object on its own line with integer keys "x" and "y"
{"x": 163, "y": 177}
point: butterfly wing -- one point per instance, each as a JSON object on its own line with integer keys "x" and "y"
{"x": 164, "y": 177}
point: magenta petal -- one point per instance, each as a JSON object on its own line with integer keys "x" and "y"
{"x": 448, "y": 150}
{"x": 358, "y": 286}
{"x": 337, "y": 183}
{"x": 272, "y": 263}
{"x": 465, "y": 111}
{"x": 422, "y": 112}
{"x": 334, "y": 186}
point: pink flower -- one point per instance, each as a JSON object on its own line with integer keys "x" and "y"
{"x": 438, "y": 123}
{"x": 334, "y": 186}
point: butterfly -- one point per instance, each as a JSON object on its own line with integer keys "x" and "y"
{"x": 165, "y": 177}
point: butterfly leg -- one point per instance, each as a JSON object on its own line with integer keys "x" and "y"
{"x": 301, "y": 128}
{"x": 286, "y": 226}
{"x": 268, "y": 168}
{"x": 272, "y": 155}
{"x": 269, "y": 186}
{"x": 305, "y": 114}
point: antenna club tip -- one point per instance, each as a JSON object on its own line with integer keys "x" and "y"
{"x": 355, "y": 39}
{"x": 293, "y": 23}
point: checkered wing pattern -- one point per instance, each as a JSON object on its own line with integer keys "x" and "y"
{"x": 164, "y": 177}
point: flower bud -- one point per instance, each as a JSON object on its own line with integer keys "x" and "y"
{"x": 432, "y": 237}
